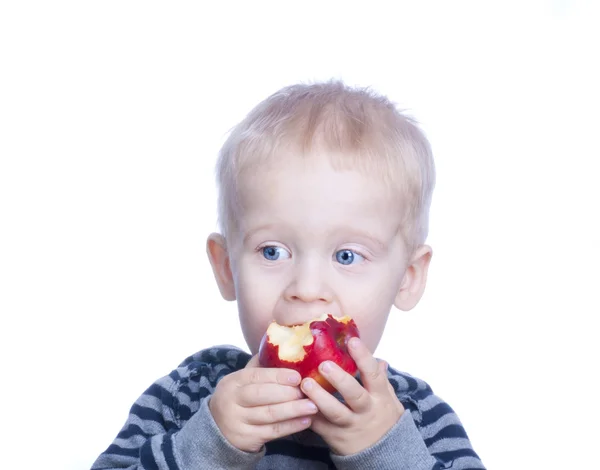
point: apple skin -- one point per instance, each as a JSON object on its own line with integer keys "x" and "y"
{"x": 330, "y": 343}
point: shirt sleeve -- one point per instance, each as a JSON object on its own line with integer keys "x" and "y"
{"x": 428, "y": 436}
{"x": 200, "y": 444}
{"x": 160, "y": 434}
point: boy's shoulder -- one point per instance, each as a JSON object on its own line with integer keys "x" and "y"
{"x": 222, "y": 357}
{"x": 209, "y": 364}
{"x": 178, "y": 395}
{"x": 417, "y": 397}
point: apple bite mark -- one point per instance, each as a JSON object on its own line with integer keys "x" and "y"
{"x": 304, "y": 347}
{"x": 290, "y": 341}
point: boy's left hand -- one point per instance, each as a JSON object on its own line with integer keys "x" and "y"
{"x": 370, "y": 411}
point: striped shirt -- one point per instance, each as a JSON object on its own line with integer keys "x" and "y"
{"x": 170, "y": 427}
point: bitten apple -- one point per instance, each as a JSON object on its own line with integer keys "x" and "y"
{"x": 304, "y": 347}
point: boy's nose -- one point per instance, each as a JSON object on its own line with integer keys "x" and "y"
{"x": 309, "y": 284}
{"x": 308, "y": 293}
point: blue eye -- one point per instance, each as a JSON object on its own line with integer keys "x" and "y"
{"x": 347, "y": 257}
{"x": 273, "y": 253}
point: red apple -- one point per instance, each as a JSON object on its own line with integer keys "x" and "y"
{"x": 304, "y": 347}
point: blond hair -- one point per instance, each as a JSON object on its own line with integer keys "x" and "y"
{"x": 356, "y": 127}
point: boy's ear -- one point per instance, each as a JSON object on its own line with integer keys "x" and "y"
{"x": 216, "y": 248}
{"x": 415, "y": 278}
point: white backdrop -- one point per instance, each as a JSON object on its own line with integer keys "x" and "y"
{"x": 111, "y": 115}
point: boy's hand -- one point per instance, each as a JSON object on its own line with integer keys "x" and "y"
{"x": 255, "y": 405}
{"x": 369, "y": 412}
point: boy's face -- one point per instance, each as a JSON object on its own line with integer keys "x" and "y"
{"x": 314, "y": 240}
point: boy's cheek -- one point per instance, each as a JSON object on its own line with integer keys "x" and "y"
{"x": 256, "y": 303}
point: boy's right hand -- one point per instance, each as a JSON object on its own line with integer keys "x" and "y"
{"x": 255, "y": 405}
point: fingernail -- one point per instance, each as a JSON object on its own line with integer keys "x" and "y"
{"x": 305, "y": 420}
{"x": 353, "y": 343}
{"x": 326, "y": 367}
{"x": 294, "y": 379}
{"x": 308, "y": 384}
{"x": 311, "y": 406}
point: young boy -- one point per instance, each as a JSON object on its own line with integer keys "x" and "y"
{"x": 324, "y": 194}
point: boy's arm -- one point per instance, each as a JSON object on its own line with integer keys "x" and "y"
{"x": 436, "y": 440}
{"x": 161, "y": 432}
{"x": 198, "y": 444}
{"x": 386, "y": 420}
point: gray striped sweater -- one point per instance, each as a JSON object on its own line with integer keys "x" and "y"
{"x": 170, "y": 428}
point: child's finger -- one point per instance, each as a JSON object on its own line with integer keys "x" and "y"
{"x": 269, "y": 432}
{"x": 278, "y": 412}
{"x": 256, "y": 375}
{"x": 355, "y": 395}
{"x": 267, "y": 393}
{"x": 253, "y": 362}
{"x": 374, "y": 379}
{"x": 328, "y": 405}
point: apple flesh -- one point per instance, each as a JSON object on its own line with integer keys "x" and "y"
{"x": 304, "y": 347}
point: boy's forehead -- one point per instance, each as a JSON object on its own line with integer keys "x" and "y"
{"x": 301, "y": 192}
{"x": 302, "y": 179}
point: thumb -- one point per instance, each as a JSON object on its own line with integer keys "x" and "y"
{"x": 253, "y": 362}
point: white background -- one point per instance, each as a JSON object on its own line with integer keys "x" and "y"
{"x": 111, "y": 116}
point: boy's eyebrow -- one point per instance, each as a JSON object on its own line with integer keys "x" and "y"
{"x": 356, "y": 232}
{"x": 367, "y": 236}
{"x": 255, "y": 230}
